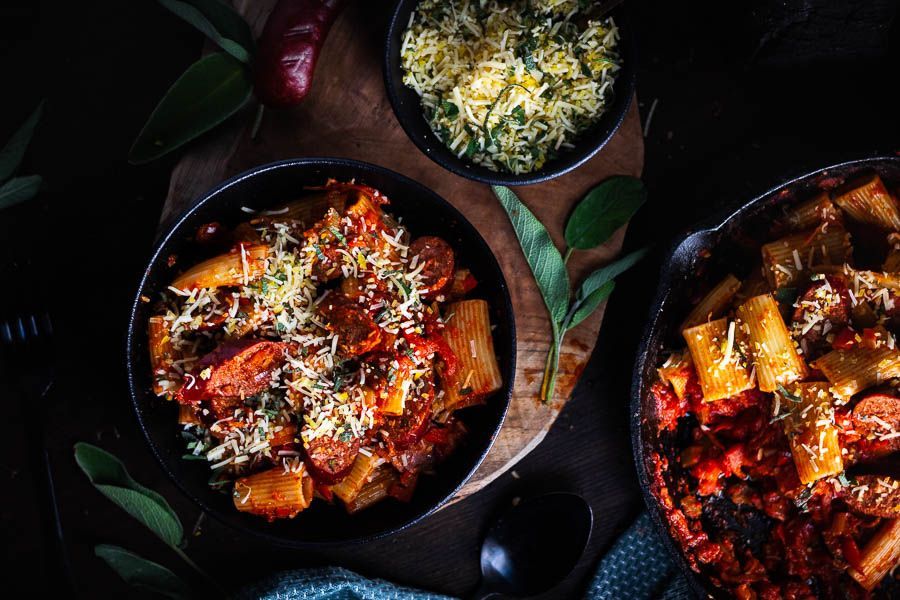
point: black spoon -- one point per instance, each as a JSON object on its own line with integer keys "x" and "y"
{"x": 534, "y": 546}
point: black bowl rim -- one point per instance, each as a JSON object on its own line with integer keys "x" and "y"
{"x": 733, "y": 211}
{"x": 163, "y": 242}
{"x": 434, "y": 149}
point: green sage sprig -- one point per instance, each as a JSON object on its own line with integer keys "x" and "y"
{"x": 210, "y": 91}
{"x": 111, "y": 478}
{"x": 604, "y": 210}
{"x": 14, "y": 190}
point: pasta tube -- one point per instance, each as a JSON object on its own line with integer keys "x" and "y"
{"x": 241, "y": 266}
{"x": 868, "y": 201}
{"x": 721, "y": 368}
{"x": 162, "y": 356}
{"x": 811, "y": 430}
{"x": 363, "y": 468}
{"x": 468, "y": 333}
{"x": 770, "y": 344}
{"x": 879, "y": 556}
{"x": 802, "y": 253}
{"x": 274, "y": 494}
{"x": 714, "y": 303}
{"x": 375, "y": 490}
{"x": 815, "y": 211}
{"x": 852, "y": 371}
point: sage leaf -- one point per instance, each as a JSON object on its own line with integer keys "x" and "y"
{"x": 211, "y": 90}
{"x": 605, "y": 274}
{"x": 138, "y": 572}
{"x": 603, "y": 210}
{"x": 587, "y": 306}
{"x": 19, "y": 189}
{"x": 14, "y": 150}
{"x": 219, "y": 22}
{"x": 112, "y": 479}
{"x": 541, "y": 253}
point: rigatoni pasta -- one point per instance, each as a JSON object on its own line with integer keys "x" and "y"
{"x": 241, "y": 266}
{"x": 714, "y": 303}
{"x": 810, "y": 427}
{"x": 879, "y": 556}
{"x": 776, "y": 428}
{"x": 868, "y": 201}
{"x": 854, "y": 370}
{"x": 322, "y": 352}
{"x": 275, "y": 494}
{"x": 787, "y": 259}
{"x": 468, "y": 334}
{"x": 721, "y": 368}
{"x": 769, "y": 343}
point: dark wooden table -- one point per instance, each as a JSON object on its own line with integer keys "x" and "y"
{"x": 728, "y": 120}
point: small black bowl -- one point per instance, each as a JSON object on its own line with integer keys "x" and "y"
{"x": 408, "y": 108}
{"x": 424, "y": 213}
{"x": 715, "y": 245}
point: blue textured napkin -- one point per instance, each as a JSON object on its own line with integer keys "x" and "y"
{"x": 637, "y": 567}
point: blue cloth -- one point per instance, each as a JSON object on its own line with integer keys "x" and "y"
{"x": 637, "y": 567}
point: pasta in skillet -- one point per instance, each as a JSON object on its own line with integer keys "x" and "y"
{"x": 781, "y": 418}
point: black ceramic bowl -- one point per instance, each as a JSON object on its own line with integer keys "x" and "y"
{"x": 712, "y": 247}
{"x": 424, "y": 213}
{"x": 408, "y": 109}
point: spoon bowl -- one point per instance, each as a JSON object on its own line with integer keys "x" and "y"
{"x": 533, "y": 546}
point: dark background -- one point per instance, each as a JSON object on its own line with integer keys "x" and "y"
{"x": 744, "y": 97}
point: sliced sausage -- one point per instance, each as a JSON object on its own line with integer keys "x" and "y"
{"x": 876, "y": 418}
{"x": 437, "y": 257}
{"x": 824, "y": 307}
{"x": 236, "y": 369}
{"x": 406, "y": 429}
{"x": 357, "y": 331}
{"x": 874, "y": 495}
{"x": 330, "y": 460}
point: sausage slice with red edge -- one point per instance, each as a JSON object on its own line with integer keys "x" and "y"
{"x": 877, "y": 416}
{"x": 329, "y": 460}
{"x": 873, "y": 495}
{"x": 237, "y": 369}
{"x": 357, "y": 331}
{"x": 438, "y": 260}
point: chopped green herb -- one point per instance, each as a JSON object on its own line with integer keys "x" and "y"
{"x": 337, "y": 233}
{"x": 465, "y": 391}
{"x": 518, "y": 114}
{"x": 193, "y": 457}
{"x": 788, "y": 395}
{"x": 451, "y": 111}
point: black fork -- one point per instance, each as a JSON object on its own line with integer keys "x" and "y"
{"x": 27, "y": 341}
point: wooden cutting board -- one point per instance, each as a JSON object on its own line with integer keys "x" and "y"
{"x": 347, "y": 114}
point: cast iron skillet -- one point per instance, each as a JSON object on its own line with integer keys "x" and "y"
{"x": 408, "y": 109}
{"x": 425, "y": 213}
{"x": 721, "y": 235}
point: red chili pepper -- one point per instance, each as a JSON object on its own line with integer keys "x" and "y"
{"x": 289, "y": 48}
{"x": 851, "y": 552}
{"x": 845, "y": 339}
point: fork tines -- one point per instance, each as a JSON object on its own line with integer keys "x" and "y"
{"x": 25, "y": 328}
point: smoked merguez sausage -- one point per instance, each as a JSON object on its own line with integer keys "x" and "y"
{"x": 437, "y": 257}
{"x": 329, "y": 460}
{"x": 289, "y": 48}
{"x": 237, "y": 369}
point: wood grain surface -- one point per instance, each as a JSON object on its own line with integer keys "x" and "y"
{"x": 348, "y": 115}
